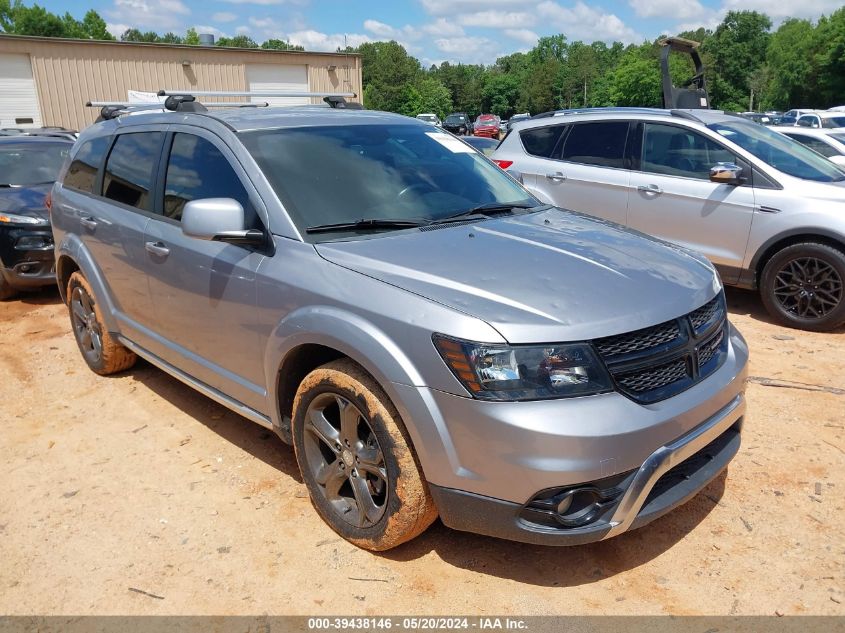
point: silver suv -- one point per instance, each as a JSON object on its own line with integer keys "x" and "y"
{"x": 767, "y": 211}
{"x": 430, "y": 337}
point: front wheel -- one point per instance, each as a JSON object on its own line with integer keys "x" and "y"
{"x": 356, "y": 459}
{"x": 802, "y": 287}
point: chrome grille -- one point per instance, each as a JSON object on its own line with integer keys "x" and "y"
{"x": 657, "y": 362}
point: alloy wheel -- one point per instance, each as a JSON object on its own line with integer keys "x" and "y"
{"x": 808, "y": 287}
{"x": 85, "y": 324}
{"x": 345, "y": 459}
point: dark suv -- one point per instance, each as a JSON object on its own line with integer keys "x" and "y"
{"x": 28, "y": 167}
{"x": 458, "y": 123}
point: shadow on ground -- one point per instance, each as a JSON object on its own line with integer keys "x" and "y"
{"x": 537, "y": 565}
{"x": 747, "y": 303}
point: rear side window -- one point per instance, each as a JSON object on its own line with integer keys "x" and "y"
{"x": 197, "y": 169}
{"x": 815, "y": 144}
{"x": 601, "y": 144}
{"x": 541, "y": 141}
{"x": 82, "y": 173}
{"x": 129, "y": 169}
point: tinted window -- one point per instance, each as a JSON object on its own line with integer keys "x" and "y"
{"x": 82, "y": 173}
{"x": 808, "y": 121}
{"x": 31, "y": 163}
{"x": 197, "y": 169}
{"x": 834, "y": 121}
{"x": 815, "y": 144}
{"x": 129, "y": 170}
{"x": 601, "y": 144}
{"x": 676, "y": 151}
{"x": 541, "y": 141}
{"x": 343, "y": 173}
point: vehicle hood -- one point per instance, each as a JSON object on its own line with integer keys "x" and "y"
{"x": 550, "y": 276}
{"x": 28, "y": 201}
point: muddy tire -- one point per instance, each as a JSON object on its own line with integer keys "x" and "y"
{"x": 356, "y": 459}
{"x": 101, "y": 351}
{"x": 803, "y": 286}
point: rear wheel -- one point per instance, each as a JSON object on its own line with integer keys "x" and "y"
{"x": 803, "y": 286}
{"x": 101, "y": 351}
{"x": 356, "y": 459}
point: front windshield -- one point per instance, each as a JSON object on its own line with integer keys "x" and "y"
{"x": 32, "y": 163}
{"x": 455, "y": 118}
{"x": 343, "y": 174}
{"x": 833, "y": 121}
{"x": 779, "y": 151}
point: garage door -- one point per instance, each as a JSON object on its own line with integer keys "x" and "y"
{"x": 278, "y": 77}
{"x": 18, "y": 97}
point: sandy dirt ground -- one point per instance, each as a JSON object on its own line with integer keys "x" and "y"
{"x": 110, "y": 487}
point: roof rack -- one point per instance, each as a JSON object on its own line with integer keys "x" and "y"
{"x": 333, "y": 99}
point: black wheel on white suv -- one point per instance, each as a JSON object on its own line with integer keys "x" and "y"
{"x": 803, "y": 286}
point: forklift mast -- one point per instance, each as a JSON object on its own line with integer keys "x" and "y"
{"x": 693, "y": 93}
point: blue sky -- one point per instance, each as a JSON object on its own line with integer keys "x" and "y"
{"x": 471, "y": 31}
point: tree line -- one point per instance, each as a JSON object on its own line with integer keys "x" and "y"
{"x": 749, "y": 66}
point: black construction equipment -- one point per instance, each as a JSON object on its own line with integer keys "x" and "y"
{"x": 691, "y": 94}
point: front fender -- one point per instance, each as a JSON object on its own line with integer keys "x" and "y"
{"x": 72, "y": 250}
{"x": 368, "y": 346}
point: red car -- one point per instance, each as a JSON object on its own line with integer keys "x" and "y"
{"x": 487, "y": 125}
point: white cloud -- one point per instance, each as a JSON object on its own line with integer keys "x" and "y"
{"x": 380, "y": 29}
{"x": 587, "y": 24}
{"x": 498, "y": 19}
{"x": 526, "y": 36}
{"x": 243, "y": 30}
{"x": 117, "y": 29}
{"x": 443, "y": 28}
{"x": 681, "y": 10}
{"x": 158, "y": 15}
{"x": 468, "y": 49}
{"x": 313, "y": 40}
{"x": 261, "y": 2}
{"x": 224, "y": 16}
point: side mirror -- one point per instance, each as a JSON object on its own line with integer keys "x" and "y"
{"x": 218, "y": 219}
{"x": 726, "y": 174}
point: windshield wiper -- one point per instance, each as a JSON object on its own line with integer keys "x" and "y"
{"x": 488, "y": 209}
{"x": 365, "y": 223}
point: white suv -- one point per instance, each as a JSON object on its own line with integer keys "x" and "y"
{"x": 767, "y": 211}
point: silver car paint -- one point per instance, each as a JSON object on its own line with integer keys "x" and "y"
{"x": 731, "y": 225}
{"x": 228, "y": 318}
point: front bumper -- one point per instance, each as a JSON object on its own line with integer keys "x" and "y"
{"x": 487, "y": 133}
{"x": 496, "y": 457}
{"x": 22, "y": 263}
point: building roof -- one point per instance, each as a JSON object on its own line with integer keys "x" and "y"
{"x": 192, "y": 47}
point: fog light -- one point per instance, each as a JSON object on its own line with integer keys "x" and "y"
{"x": 25, "y": 268}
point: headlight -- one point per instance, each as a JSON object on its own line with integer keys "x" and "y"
{"x": 502, "y": 372}
{"x": 11, "y": 218}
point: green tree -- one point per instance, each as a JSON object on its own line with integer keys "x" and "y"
{"x": 830, "y": 59}
{"x": 281, "y": 45}
{"x": 238, "y": 41}
{"x": 737, "y": 48}
{"x": 500, "y": 94}
{"x": 636, "y": 80}
{"x": 428, "y": 94}
{"x": 95, "y": 26}
{"x": 192, "y": 38}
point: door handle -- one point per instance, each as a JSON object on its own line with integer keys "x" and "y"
{"x": 88, "y": 222}
{"x": 650, "y": 189}
{"x": 556, "y": 177}
{"x": 157, "y": 248}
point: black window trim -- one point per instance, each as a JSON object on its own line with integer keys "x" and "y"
{"x": 98, "y": 179}
{"x": 101, "y": 179}
{"x": 572, "y": 124}
{"x": 268, "y": 246}
{"x": 748, "y": 168}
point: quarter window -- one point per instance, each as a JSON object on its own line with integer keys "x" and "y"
{"x": 129, "y": 170}
{"x": 677, "y": 151}
{"x": 197, "y": 169}
{"x": 601, "y": 144}
{"x": 541, "y": 141}
{"x": 82, "y": 173}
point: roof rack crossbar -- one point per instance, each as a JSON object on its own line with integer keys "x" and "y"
{"x": 157, "y": 104}
{"x": 254, "y": 93}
